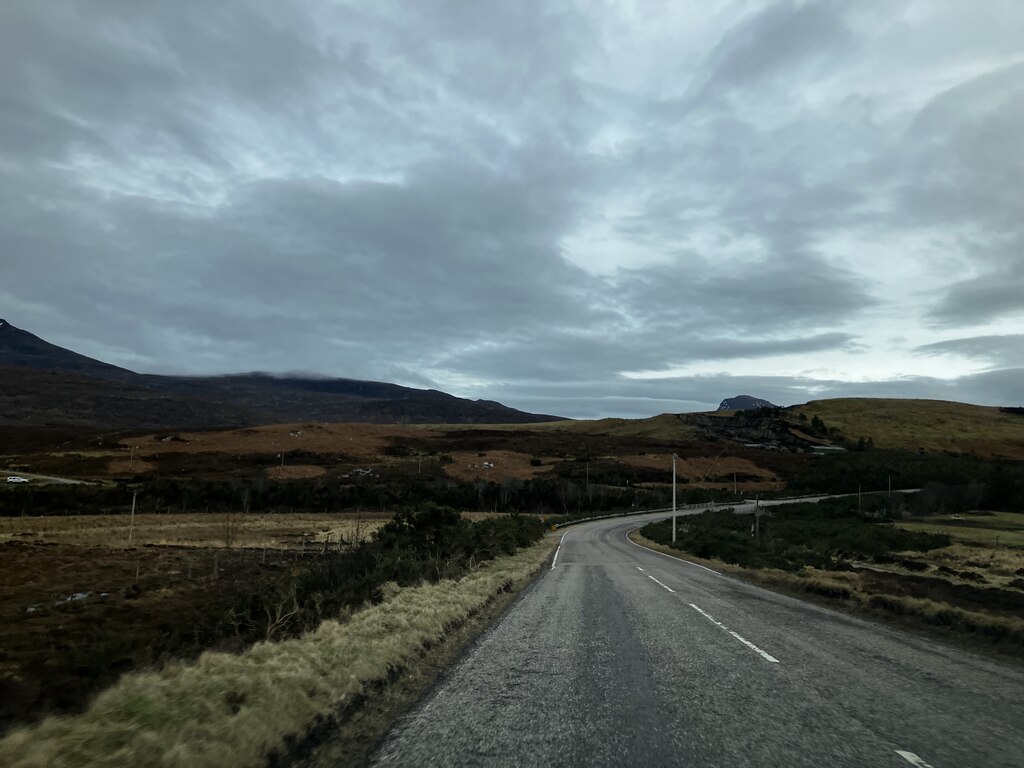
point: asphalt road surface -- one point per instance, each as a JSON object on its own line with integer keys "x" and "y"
{"x": 40, "y": 479}
{"x": 619, "y": 656}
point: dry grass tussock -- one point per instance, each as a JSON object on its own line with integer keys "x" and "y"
{"x": 998, "y": 565}
{"x": 847, "y": 586}
{"x": 234, "y": 710}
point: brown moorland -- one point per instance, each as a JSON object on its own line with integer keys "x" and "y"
{"x": 80, "y": 605}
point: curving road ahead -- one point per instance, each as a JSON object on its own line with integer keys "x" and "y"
{"x": 621, "y": 656}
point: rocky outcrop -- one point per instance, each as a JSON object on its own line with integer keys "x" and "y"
{"x": 763, "y": 428}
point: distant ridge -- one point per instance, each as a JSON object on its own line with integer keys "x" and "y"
{"x": 43, "y": 384}
{"x": 744, "y": 403}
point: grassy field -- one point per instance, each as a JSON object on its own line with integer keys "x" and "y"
{"x": 990, "y": 528}
{"x": 316, "y": 450}
{"x": 236, "y": 710}
{"x": 666, "y": 426}
{"x": 932, "y": 425}
{"x": 80, "y": 605}
{"x": 74, "y": 617}
{"x": 271, "y": 531}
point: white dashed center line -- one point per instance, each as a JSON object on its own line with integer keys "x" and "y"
{"x": 750, "y": 645}
{"x": 665, "y": 586}
{"x": 913, "y": 759}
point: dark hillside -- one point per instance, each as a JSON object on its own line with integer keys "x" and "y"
{"x": 23, "y": 349}
{"x": 42, "y": 384}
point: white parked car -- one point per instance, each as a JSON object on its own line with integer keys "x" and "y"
{"x": 16, "y": 479}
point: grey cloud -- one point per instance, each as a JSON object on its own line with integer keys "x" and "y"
{"x": 999, "y": 350}
{"x": 109, "y": 77}
{"x": 991, "y": 295}
{"x": 389, "y": 190}
{"x": 374, "y": 265}
{"x": 966, "y": 154}
{"x": 774, "y": 41}
{"x": 783, "y": 293}
{"x": 998, "y": 387}
{"x": 581, "y": 355}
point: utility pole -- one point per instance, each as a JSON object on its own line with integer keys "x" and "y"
{"x": 131, "y": 520}
{"x": 674, "y": 457}
{"x": 733, "y": 483}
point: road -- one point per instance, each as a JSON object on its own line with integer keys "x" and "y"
{"x": 41, "y": 479}
{"x": 620, "y": 656}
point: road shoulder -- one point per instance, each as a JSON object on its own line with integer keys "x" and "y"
{"x": 352, "y": 735}
{"x": 821, "y": 593}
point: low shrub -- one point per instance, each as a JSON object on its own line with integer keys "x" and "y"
{"x": 792, "y": 536}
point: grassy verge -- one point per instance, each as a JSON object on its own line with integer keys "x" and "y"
{"x": 879, "y": 594}
{"x": 239, "y": 710}
{"x": 988, "y": 528}
{"x": 351, "y": 735}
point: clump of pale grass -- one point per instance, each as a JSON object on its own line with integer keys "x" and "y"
{"x": 1005, "y": 629}
{"x": 233, "y": 710}
{"x": 999, "y": 561}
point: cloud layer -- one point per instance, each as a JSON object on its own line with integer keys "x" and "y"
{"x": 587, "y": 209}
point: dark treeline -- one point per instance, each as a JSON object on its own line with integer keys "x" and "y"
{"x": 792, "y": 536}
{"x": 951, "y": 482}
{"x": 548, "y": 496}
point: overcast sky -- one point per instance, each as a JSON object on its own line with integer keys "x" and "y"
{"x": 587, "y": 209}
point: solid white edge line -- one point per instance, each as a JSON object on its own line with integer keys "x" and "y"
{"x": 913, "y": 759}
{"x": 640, "y": 569}
{"x": 750, "y": 645}
{"x": 677, "y": 559}
{"x": 659, "y": 583}
{"x": 558, "y": 551}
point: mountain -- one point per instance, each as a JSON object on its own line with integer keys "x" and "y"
{"x": 23, "y": 349}
{"x": 43, "y": 384}
{"x": 744, "y": 403}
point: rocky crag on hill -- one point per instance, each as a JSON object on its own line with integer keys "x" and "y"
{"x": 767, "y": 428}
{"x": 744, "y": 403}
